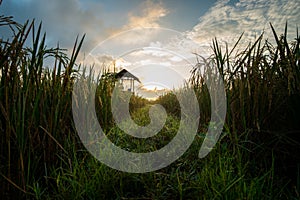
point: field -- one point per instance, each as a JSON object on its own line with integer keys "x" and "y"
{"x": 257, "y": 156}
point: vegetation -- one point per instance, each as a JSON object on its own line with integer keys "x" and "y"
{"x": 42, "y": 157}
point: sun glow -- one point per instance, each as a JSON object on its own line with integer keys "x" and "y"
{"x": 153, "y": 88}
{"x": 152, "y": 91}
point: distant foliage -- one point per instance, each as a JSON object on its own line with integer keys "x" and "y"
{"x": 170, "y": 103}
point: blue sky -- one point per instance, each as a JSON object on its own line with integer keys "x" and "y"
{"x": 199, "y": 21}
{"x": 64, "y": 19}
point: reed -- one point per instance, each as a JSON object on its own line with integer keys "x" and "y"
{"x": 42, "y": 157}
{"x": 35, "y": 105}
{"x": 262, "y": 89}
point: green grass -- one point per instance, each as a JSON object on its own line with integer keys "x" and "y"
{"x": 42, "y": 157}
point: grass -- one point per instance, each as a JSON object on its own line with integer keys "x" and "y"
{"x": 42, "y": 157}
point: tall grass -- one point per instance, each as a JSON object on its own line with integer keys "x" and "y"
{"x": 41, "y": 155}
{"x": 35, "y": 106}
{"x": 263, "y": 95}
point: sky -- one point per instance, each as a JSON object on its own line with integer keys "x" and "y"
{"x": 154, "y": 39}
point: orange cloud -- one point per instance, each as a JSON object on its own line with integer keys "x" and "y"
{"x": 149, "y": 17}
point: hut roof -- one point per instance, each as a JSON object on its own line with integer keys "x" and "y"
{"x": 125, "y": 73}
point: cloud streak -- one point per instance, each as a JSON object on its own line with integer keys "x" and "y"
{"x": 228, "y": 21}
{"x": 149, "y": 17}
{"x": 62, "y": 20}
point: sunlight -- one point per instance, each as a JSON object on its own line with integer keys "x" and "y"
{"x": 152, "y": 91}
{"x": 153, "y": 88}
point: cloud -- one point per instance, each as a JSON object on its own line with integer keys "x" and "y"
{"x": 105, "y": 63}
{"x": 228, "y": 21}
{"x": 137, "y": 32}
{"x": 150, "y": 15}
{"x": 62, "y": 20}
{"x": 146, "y": 16}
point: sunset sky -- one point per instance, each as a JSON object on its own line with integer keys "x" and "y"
{"x": 181, "y": 26}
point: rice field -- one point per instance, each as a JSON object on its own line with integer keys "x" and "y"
{"x": 256, "y": 157}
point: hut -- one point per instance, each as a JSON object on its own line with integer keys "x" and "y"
{"x": 126, "y": 80}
